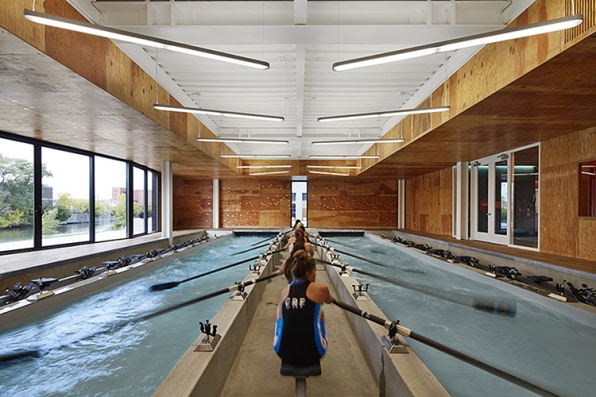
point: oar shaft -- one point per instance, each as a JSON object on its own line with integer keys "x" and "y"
{"x": 450, "y": 351}
{"x": 354, "y": 256}
{"x": 201, "y": 298}
{"x": 227, "y": 266}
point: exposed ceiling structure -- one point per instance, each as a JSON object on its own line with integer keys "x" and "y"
{"x": 301, "y": 40}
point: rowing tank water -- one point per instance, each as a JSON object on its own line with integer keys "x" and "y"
{"x": 131, "y": 360}
{"x": 548, "y": 342}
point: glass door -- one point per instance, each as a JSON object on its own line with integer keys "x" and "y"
{"x": 490, "y": 203}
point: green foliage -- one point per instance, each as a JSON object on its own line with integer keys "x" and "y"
{"x": 138, "y": 211}
{"x": 48, "y": 221}
{"x": 62, "y": 213}
{"x": 119, "y": 212}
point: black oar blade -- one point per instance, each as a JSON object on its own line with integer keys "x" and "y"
{"x": 164, "y": 286}
{"x": 15, "y": 357}
{"x": 505, "y": 307}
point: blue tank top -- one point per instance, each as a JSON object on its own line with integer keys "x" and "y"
{"x": 300, "y": 333}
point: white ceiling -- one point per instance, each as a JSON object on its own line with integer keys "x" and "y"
{"x": 300, "y": 40}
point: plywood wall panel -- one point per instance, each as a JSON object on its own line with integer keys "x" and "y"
{"x": 334, "y": 203}
{"x": 587, "y": 241}
{"x": 560, "y": 231}
{"x": 84, "y": 53}
{"x": 193, "y": 203}
{"x": 252, "y": 202}
{"x": 429, "y": 203}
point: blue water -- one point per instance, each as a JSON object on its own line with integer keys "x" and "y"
{"x": 131, "y": 360}
{"x": 548, "y": 343}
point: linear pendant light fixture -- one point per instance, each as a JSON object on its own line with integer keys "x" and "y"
{"x": 388, "y": 113}
{"x": 343, "y": 157}
{"x": 269, "y": 173}
{"x": 253, "y": 156}
{"x": 130, "y": 37}
{"x": 243, "y": 140}
{"x": 359, "y": 141}
{"x": 463, "y": 42}
{"x": 252, "y": 167}
{"x": 212, "y": 112}
{"x": 329, "y": 173}
{"x": 334, "y": 167}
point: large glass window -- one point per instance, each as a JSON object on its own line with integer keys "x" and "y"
{"x": 110, "y": 199}
{"x": 139, "y": 207}
{"x": 151, "y": 199}
{"x": 299, "y": 202}
{"x": 525, "y": 197}
{"x": 49, "y": 195}
{"x": 16, "y": 195}
{"x": 65, "y": 197}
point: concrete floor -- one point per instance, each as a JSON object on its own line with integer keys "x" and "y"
{"x": 255, "y": 372}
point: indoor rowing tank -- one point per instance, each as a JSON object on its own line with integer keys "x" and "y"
{"x": 548, "y": 343}
{"x": 90, "y": 347}
{"x": 84, "y": 350}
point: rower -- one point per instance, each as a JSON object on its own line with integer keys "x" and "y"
{"x": 300, "y": 339}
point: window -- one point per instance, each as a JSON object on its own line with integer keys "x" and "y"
{"x": 110, "y": 199}
{"x": 525, "y": 197}
{"x": 16, "y": 195}
{"x": 52, "y": 195}
{"x": 299, "y": 202}
{"x": 152, "y": 215}
{"x": 587, "y": 188}
{"x": 65, "y": 197}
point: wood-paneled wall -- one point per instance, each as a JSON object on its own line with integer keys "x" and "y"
{"x": 346, "y": 204}
{"x": 251, "y": 202}
{"x": 562, "y": 230}
{"x": 193, "y": 203}
{"x": 429, "y": 203}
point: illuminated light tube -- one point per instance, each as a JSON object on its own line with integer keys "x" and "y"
{"x": 242, "y": 140}
{"x": 211, "y": 112}
{"x": 328, "y": 173}
{"x": 463, "y": 42}
{"x": 348, "y": 167}
{"x": 135, "y": 38}
{"x": 357, "y": 141}
{"x": 253, "y": 156}
{"x": 252, "y": 167}
{"x": 269, "y": 173}
{"x": 388, "y": 113}
{"x": 343, "y": 157}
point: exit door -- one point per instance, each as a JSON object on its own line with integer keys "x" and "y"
{"x": 490, "y": 200}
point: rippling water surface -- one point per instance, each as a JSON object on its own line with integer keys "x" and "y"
{"x": 547, "y": 343}
{"x": 84, "y": 358}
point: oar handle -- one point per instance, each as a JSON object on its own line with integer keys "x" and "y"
{"x": 450, "y": 351}
{"x": 363, "y": 313}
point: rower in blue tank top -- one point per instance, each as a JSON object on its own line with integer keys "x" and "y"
{"x": 300, "y": 328}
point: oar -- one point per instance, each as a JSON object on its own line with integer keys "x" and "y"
{"x": 250, "y": 249}
{"x": 353, "y": 255}
{"x": 172, "y": 284}
{"x": 505, "y": 307}
{"x": 262, "y": 241}
{"x": 30, "y": 354}
{"x": 447, "y": 350}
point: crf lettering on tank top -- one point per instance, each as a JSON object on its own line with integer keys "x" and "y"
{"x": 295, "y": 303}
